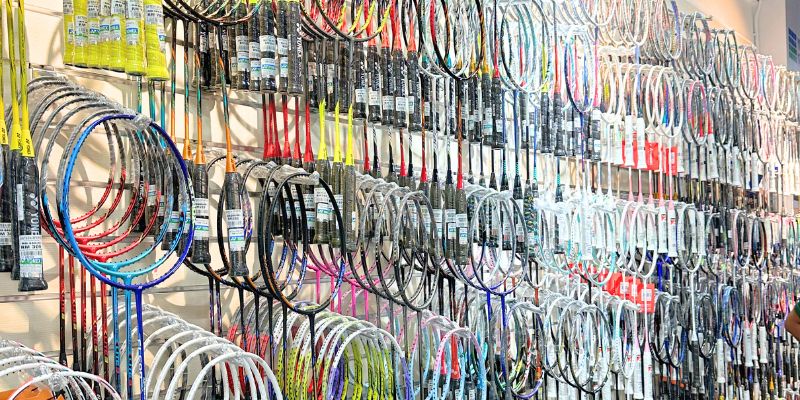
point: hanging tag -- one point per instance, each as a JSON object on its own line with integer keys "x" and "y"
{"x": 672, "y": 225}
{"x": 662, "y": 230}
{"x": 638, "y": 143}
{"x": 719, "y": 351}
{"x": 628, "y": 142}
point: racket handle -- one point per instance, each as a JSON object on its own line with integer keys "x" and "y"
{"x": 544, "y": 105}
{"x": 497, "y": 114}
{"x": 558, "y": 128}
{"x": 234, "y": 216}
{"x": 373, "y": 66}
{"x": 116, "y": 37}
{"x": 359, "y": 82}
{"x": 254, "y": 49}
{"x": 134, "y": 39}
{"x": 388, "y": 88}
{"x": 337, "y": 189}
{"x": 6, "y": 214}
{"x": 450, "y": 230}
{"x": 268, "y": 46}
{"x": 174, "y": 216}
{"x": 462, "y": 228}
{"x": 81, "y": 24}
{"x": 200, "y": 245}
{"x": 283, "y": 46}
{"x": 314, "y": 88}
{"x": 15, "y": 189}
{"x": 322, "y": 204}
{"x": 155, "y": 41}
{"x": 69, "y": 32}
{"x": 487, "y": 130}
{"x": 30, "y": 235}
{"x": 349, "y": 217}
{"x": 413, "y": 103}
{"x": 93, "y": 33}
{"x": 295, "y": 59}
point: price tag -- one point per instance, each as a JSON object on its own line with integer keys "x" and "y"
{"x": 5, "y": 234}
{"x": 30, "y": 256}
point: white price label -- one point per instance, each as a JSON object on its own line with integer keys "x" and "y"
{"x": 5, "y": 234}
{"x": 267, "y": 43}
{"x": 30, "y": 256}
{"x": 283, "y": 46}
{"x": 174, "y": 221}
{"x": 388, "y": 103}
{"x": 153, "y": 14}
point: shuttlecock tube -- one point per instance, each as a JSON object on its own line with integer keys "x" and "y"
{"x": 134, "y": 38}
{"x": 155, "y": 40}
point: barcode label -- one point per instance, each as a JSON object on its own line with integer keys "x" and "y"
{"x": 234, "y": 218}
{"x": 201, "y": 227}
{"x": 374, "y": 98}
{"x": 267, "y": 43}
{"x": 388, "y": 103}
{"x": 153, "y": 14}
{"x": 69, "y": 8}
{"x": 134, "y": 9}
{"x": 174, "y": 220}
{"x": 5, "y": 234}
{"x": 461, "y": 224}
{"x": 30, "y": 256}
{"x": 151, "y": 196}
{"x": 283, "y": 46}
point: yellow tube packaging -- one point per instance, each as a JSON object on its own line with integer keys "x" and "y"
{"x": 93, "y": 38}
{"x": 155, "y": 40}
{"x": 105, "y": 34}
{"x": 81, "y": 34}
{"x": 116, "y": 36}
{"x": 69, "y": 31}
{"x": 134, "y": 38}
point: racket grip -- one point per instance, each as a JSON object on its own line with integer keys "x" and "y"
{"x": 413, "y": 103}
{"x": 116, "y": 38}
{"x": 488, "y": 120}
{"x": 93, "y": 53}
{"x": 155, "y": 41}
{"x": 200, "y": 245}
{"x": 30, "y": 235}
{"x": 174, "y": 217}
{"x": 387, "y": 99}
{"x": 295, "y": 48}
{"x": 69, "y": 31}
{"x": 313, "y": 87}
{"x": 134, "y": 39}
{"x": 349, "y": 217}
{"x": 359, "y": 82}
{"x": 374, "y": 67}
{"x": 6, "y": 214}
{"x": 450, "y": 229}
{"x": 462, "y": 228}
{"x": 234, "y": 216}
{"x": 254, "y": 50}
{"x": 15, "y": 190}
{"x": 337, "y": 189}
{"x": 322, "y": 204}
{"x": 283, "y": 46}
{"x": 497, "y": 114}
{"x": 558, "y": 128}
{"x": 268, "y": 46}
{"x": 544, "y": 106}
{"x": 81, "y": 24}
